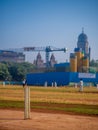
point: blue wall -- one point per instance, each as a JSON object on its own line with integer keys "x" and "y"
{"x": 61, "y": 78}
{"x": 90, "y": 77}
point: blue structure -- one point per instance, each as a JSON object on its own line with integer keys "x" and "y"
{"x": 66, "y": 64}
{"x": 61, "y": 78}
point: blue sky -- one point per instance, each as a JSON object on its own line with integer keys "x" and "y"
{"x": 41, "y": 23}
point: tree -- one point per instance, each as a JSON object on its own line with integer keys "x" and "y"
{"x": 18, "y": 71}
{"x": 4, "y": 73}
{"x": 94, "y": 65}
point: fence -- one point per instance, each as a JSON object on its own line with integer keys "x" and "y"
{"x": 61, "y": 78}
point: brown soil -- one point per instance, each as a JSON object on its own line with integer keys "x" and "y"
{"x": 14, "y": 120}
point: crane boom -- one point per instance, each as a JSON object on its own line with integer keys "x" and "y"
{"x": 47, "y": 49}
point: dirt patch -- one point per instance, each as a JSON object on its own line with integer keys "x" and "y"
{"x": 14, "y": 120}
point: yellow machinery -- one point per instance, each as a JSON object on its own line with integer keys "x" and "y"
{"x": 85, "y": 65}
{"x": 78, "y": 62}
{"x": 73, "y": 62}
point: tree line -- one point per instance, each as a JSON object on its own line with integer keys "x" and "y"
{"x": 17, "y": 71}
{"x": 14, "y": 71}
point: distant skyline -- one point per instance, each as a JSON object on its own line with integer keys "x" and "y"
{"x": 41, "y": 23}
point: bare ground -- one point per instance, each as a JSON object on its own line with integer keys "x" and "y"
{"x": 14, "y": 120}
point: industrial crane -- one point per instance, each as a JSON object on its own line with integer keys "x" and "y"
{"x": 47, "y": 50}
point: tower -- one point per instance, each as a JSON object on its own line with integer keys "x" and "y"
{"x": 83, "y": 44}
{"x": 52, "y": 60}
{"x": 39, "y": 62}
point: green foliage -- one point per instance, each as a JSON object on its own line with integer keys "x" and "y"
{"x": 4, "y": 73}
{"x": 15, "y": 71}
{"x": 94, "y": 65}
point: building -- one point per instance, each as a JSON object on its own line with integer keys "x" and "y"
{"x": 62, "y": 67}
{"x": 52, "y": 60}
{"x": 66, "y": 73}
{"x": 79, "y": 60}
{"x": 83, "y": 44}
{"x": 39, "y": 63}
{"x": 11, "y": 56}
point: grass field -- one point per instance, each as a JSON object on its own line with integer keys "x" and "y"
{"x": 59, "y": 99}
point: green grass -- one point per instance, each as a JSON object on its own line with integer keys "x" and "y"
{"x": 62, "y": 99}
{"x": 73, "y": 108}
